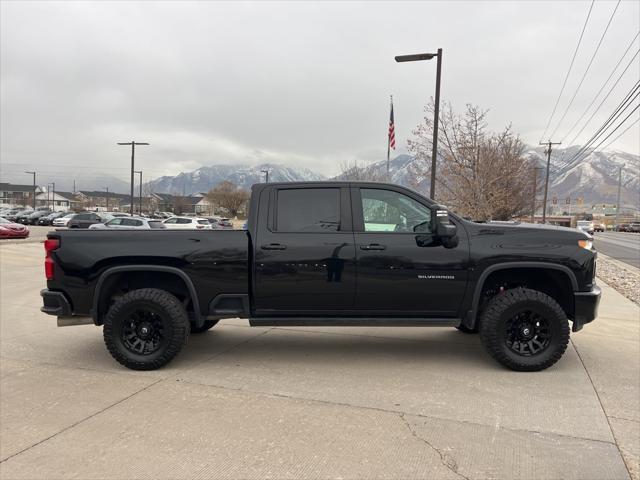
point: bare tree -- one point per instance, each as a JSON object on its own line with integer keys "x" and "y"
{"x": 481, "y": 174}
{"x": 230, "y": 197}
{"x": 179, "y": 205}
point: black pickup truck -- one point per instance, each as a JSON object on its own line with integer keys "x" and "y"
{"x": 328, "y": 253}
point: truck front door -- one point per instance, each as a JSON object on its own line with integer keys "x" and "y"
{"x": 403, "y": 268}
{"x": 304, "y": 252}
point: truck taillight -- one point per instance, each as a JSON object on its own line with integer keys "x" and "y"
{"x": 50, "y": 245}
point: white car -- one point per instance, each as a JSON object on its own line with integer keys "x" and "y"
{"x": 187, "y": 223}
{"x": 63, "y": 221}
{"x": 128, "y": 223}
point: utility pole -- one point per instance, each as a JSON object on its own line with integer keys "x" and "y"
{"x": 535, "y": 193}
{"x": 107, "y": 189}
{"x": 266, "y": 173}
{"x": 619, "y": 189}
{"x": 133, "y": 154}
{"x": 34, "y": 188}
{"x": 546, "y": 183}
{"x": 140, "y": 173}
{"x": 74, "y": 186}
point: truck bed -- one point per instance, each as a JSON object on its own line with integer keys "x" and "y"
{"x": 216, "y": 261}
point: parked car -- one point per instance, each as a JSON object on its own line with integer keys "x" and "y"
{"x": 585, "y": 226}
{"x": 634, "y": 228}
{"x": 15, "y": 215}
{"x": 48, "y": 219}
{"x": 187, "y": 223}
{"x": 599, "y": 227}
{"x": 11, "y": 213}
{"x": 9, "y": 229}
{"x": 225, "y": 224}
{"x": 63, "y": 221}
{"x": 85, "y": 219}
{"x": 33, "y": 217}
{"x": 329, "y": 253}
{"x": 128, "y": 223}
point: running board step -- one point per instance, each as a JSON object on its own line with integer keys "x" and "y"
{"x": 352, "y": 322}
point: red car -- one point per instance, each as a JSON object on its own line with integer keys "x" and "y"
{"x": 12, "y": 230}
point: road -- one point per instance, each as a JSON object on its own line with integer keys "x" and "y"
{"x": 310, "y": 403}
{"x": 622, "y": 246}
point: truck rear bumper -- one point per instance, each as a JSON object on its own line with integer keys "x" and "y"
{"x": 55, "y": 303}
{"x": 586, "y": 307}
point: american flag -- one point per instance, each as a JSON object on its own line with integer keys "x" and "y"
{"x": 392, "y": 130}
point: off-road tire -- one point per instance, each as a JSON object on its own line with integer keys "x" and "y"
{"x": 205, "y": 326}
{"x": 173, "y": 320}
{"x": 503, "y": 308}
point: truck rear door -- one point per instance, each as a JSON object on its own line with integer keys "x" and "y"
{"x": 304, "y": 252}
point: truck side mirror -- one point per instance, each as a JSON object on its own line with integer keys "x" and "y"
{"x": 440, "y": 223}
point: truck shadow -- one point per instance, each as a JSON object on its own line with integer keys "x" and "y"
{"x": 291, "y": 347}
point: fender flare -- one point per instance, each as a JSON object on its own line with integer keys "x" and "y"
{"x": 146, "y": 268}
{"x": 470, "y": 319}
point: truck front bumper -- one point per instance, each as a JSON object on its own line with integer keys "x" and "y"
{"x": 586, "y": 307}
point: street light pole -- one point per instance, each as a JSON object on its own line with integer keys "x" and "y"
{"x": 436, "y": 110}
{"x": 34, "y": 188}
{"x": 107, "y": 188}
{"x": 133, "y": 154}
{"x": 266, "y": 172}
{"x": 140, "y": 173}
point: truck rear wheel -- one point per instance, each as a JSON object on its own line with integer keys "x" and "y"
{"x": 144, "y": 329}
{"x": 524, "y": 330}
{"x": 205, "y": 326}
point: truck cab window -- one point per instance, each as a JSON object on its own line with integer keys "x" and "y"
{"x": 308, "y": 210}
{"x": 389, "y": 211}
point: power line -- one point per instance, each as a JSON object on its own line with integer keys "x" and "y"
{"x": 619, "y": 125}
{"x": 603, "y": 129}
{"x": 564, "y": 84}
{"x": 584, "y": 75}
{"x": 616, "y": 113}
{"x": 621, "y": 134}
{"x": 604, "y": 99}
{"x": 604, "y": 84}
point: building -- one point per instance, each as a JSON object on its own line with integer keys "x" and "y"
{"x": 197, "y": 203}
{"x": 17, "y": 195}
{"x": 101, "y": 200}
{"x": 58, "y": 201}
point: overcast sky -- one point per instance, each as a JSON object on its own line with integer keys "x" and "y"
{"x": 300, "y": 83}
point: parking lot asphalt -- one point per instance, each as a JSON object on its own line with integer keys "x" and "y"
{"x": 242, "y": 402}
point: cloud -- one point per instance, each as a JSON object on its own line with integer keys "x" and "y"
{"x": 304, "y": 83}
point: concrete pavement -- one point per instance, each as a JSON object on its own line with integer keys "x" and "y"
{"x": 243, "y": 402}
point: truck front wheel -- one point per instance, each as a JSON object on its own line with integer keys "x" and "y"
{"x": 144, "y": 329}
{"x": 524, "y": 330}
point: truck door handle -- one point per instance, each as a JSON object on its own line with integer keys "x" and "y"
{"x": 273, "y": 246}
{"x": 373, "y": 246}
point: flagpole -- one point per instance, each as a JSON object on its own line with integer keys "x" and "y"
{"x": 389, "y": 142}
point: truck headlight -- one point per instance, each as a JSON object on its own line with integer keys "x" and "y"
{"x": 586, "y": 244}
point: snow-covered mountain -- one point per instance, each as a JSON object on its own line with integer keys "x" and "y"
{"x": 593, "y": 178}
{"x": 205, "y": 178}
